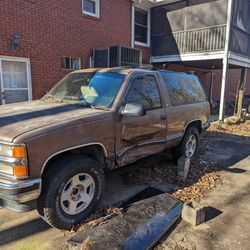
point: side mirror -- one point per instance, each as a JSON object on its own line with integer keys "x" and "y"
{"x": 135, "y": 110}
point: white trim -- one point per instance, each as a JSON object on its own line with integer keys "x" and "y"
{"x": 142, "y": 44}
{"x": 1, "y": 83}
{"x": 225, "y": 61}
{"x": 13, "y": 58}
{"x": 133, "y": 26}
{"x": 188, "y": 57}
{"x": 16, "y": 89}
{"x": 97, "y": 14}
{"x": 239, "y": 60}
{"x": 29, "y": 80}
{"x": 148, "y": 10}
{"x": 143, "y": 4}
{"x": 28, "y": 72}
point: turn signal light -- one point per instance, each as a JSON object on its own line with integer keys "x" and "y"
{"x": 19, "y": 152}
{"x": 20, "y": 171}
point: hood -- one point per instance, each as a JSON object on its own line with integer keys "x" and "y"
{"x": 20, "y": 118}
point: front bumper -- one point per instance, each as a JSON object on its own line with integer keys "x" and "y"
{"x": 19, "y": 196}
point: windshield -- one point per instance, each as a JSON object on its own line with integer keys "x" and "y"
{"x": 92, "y": 89}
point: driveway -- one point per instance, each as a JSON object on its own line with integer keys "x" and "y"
{"x": 227, "y": 225}
{"x": 28, "y": 231}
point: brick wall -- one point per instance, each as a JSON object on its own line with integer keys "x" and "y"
{"x": 146, "y": 52}
{"x": 233, "y": 80}
{"x": 50, "y": 30}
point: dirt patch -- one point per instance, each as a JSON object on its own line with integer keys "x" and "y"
{"x": 233, "y": 127}
{"x": 203, "y": 177}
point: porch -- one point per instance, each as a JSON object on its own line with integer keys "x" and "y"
{"x": 202, "y": 34}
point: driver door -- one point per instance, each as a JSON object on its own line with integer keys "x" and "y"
{"x": 138, "y": 137}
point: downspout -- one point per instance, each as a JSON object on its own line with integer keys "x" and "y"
{"x": 132, "y": 26}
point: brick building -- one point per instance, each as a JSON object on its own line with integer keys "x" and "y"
{"x": 50, "y": 30}
{"x": 42, "y": 41}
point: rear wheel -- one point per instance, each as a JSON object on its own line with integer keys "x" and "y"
{"x": 70, "y": 190}
{"x": 189, "y": 144}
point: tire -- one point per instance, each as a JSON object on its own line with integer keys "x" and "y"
{"x": 62, "y": 203}
{"x": 182, "y": 149}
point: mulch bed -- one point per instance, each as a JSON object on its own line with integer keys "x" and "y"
{"x": 233, "y": 127}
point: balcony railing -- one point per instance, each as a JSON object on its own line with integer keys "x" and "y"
{"x": 190, "y": 41}
{"x": 240, "y": 41}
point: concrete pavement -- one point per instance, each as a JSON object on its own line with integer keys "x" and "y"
{"x": 228, "y": 218}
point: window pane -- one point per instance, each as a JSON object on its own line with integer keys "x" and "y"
{"x": 176, "y": 92}
{"x": 184, "y": 90}
{"x": 14, "y": 74}
{"x": 71, "y": 63}
{"x": 144, "y": 91}
{"x": 141, "y": 34}
{"x": 66, "y": 63}
{"x": 141, "y": 17}
{"x": 194, "y": 90}
{"x": 75, "y": 63}
{"x": 89, "y": 6}
{"x": 12, "y": 96}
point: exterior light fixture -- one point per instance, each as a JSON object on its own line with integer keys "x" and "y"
{"x": 15, "y": 42}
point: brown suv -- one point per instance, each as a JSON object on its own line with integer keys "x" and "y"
{"x": 54, "y": 151}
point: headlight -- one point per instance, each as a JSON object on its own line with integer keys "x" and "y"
{"x": 13, "y": 161}
{"x": 13, "y": 151}
{"x": 6, "y": 168}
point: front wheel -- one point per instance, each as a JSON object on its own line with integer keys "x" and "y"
{"x": 70, "y": 191}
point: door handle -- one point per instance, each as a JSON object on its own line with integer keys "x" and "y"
{"x": 163, "y": 117}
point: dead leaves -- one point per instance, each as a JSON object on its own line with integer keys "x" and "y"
{"x": 203, "y": 176}
{"x": 100, "y": 217}
{"x": 200, "y": 189}
{"x": 233, "y": 127}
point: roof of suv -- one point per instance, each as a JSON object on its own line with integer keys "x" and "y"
{"x": 125, "y": 70}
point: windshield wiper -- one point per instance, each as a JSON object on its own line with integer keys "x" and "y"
{"x": 102, "y": 108}
{"x": 89, "y": 105}
{"x": 83, "y": 100}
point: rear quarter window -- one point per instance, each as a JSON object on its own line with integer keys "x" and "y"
{"x": 184, "y": 89}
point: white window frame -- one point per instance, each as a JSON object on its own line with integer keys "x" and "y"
{"x": 97, "y": 14}
{"x": 72, "y": 57}
{"x": 28, "y": 72}
{"x": 148, "y": 26}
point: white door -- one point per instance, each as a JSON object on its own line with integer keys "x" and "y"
{"x": 15, "y": 86}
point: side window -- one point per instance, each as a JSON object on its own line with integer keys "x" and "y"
{"x": 184, "y": 90}
{"x": 177, "y": 94}
{"x": 194, "y": 90}
{"x": 144, "y": 90}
